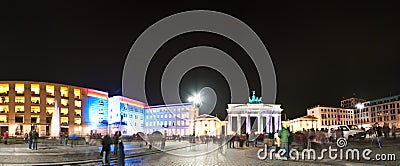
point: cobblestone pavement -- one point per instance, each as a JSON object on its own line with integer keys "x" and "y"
{"x": 201, "y": 154}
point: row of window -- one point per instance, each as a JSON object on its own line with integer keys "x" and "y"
{"x": 160, "y": 116}
{"x": 166, "y": 124}
{"x": 325, "y": 116}
{"x": 335, "y": 110}
{"x": 36, "y": 119}
{"x": 328, "y": 123}
{"x": 385, "y": 107}
{"x": 168, "y": 110}
{"x": 384, "y": 118}
{"x": 36, "y": 101}
{"x": 35, "y": 90}
{"x": 36, "y": 110}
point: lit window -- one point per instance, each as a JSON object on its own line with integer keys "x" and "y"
{"x": 64, "y": 91}
{"x": 4, "y": 88}
{"x": 78, "y": 103}
{"x": 64, "y": 120}
{"x": 50, "y": 101}
{"x": 78, "y": 112}
{"x": 19, "y": 88}
{"x": 50, "y": 90}
{"x": 77, "y": 93}
{"x": 3, "y": 118}
{"x": 64, "y": 111}
{"x": 77, "y": 121}
{"x": 19, "y": 109}
{"x": 49, "y": 110}
{"x": 35, "y": 100}
{"x": 19, "y": 99}
{"x": 35, "y": 89}
{"x": 35, "y": 109}
{"x": 64, "y": 102}
{"x": 4, "y": 100}
{"x": 4, "y": 109}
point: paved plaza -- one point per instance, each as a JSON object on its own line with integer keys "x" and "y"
{"x": 175, "y": 153}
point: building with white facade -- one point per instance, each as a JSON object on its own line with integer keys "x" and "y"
{"x": 384, "y": 110}
{"x": 331, "y": 116}
{"x": 254, "y": 117}
{"x": 172, "y": 119}
{"x": 208, "y": 125}
{"x": 303, "y": 123}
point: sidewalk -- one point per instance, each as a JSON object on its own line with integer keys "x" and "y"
{"x": 49, "y": 154}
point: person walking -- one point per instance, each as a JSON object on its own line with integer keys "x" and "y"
{"x": 5, "y": 136}
{"x": 284, "y": 137}
{"x": 26, "y": 135}
{"x": 35, "y": 135}
{"x": 247, "y": 140}
{"x": 106, "y": 148}
{"x": 378, "y": 133}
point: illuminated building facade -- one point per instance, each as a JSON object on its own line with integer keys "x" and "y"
{"x": 25, "y": 106}
{"x": 303, "y": 123}
{"x": 331, "y": 116}
{"x": 126, "y": 115}
{"x": 383, "y": 110}
{"x": 173, "y": 119}
{"x": 254, "y": 117}
{"x": 208, "y": 125}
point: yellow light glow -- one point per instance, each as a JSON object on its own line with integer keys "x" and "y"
{"x": 64, "y": 91}
{"x": 35, "y": 88}
{"x": 64, "y": 111}
{"x": 77, "y": 93}
{"x": 19, "y": 99}
{"x": 19, "y": 88}
{"x": 49, "y": 110}
{"x": 35, "y": 109}
{"x": 50, "y": 90}
{"x": 4, "y": 88}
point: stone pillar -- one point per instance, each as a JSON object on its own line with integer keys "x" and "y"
{"x": 239, "y": 124}
{"x": 259, "y": 119}
{"x": 248, "y": 124}
{"x": 229, "y": 124}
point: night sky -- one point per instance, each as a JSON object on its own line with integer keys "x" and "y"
{"x": 321, "y": 52}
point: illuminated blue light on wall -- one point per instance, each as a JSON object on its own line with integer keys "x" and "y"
{"x": 97, "y": 111}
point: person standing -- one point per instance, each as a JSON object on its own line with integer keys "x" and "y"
{"x": 106, "y": 148}
{"x": 386, "y": 130}
{"x": 115, "y": 141}
{"x": 5, "y": 137}
{"x": 35, "y": 139}
{"x": 121, "y": 154}
{"x": 30, "y": 138}
{"x": 284, "y": 137}
{"x": 394, "y": 130}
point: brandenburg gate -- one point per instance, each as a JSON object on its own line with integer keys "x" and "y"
{"x": 254, "y": 117}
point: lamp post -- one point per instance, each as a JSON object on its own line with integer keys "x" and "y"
{"x": 196, "y": 100}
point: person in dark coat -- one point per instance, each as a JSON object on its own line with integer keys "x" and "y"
{"x": 121, "y": 154}
{"x": 106, "y": 148}
{"x": 115, "y": 141}
{"x": 35, "y": 139}
{"x": 30, "y": 138}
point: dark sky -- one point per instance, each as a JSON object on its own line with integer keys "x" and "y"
{"x": 321, "y": 52}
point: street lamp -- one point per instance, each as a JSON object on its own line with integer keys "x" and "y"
{"x": 195, "y": 99}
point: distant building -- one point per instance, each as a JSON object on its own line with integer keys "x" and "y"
{"x": 254, "y": 117}
{"x": 173, "y": 119}
{"x": 331, "y": 116}
{"x": 303, "y": 123}
{"x": 209, "y": 125}
{"x": 351, "y": 102}
{"x": 384, "y": 110}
